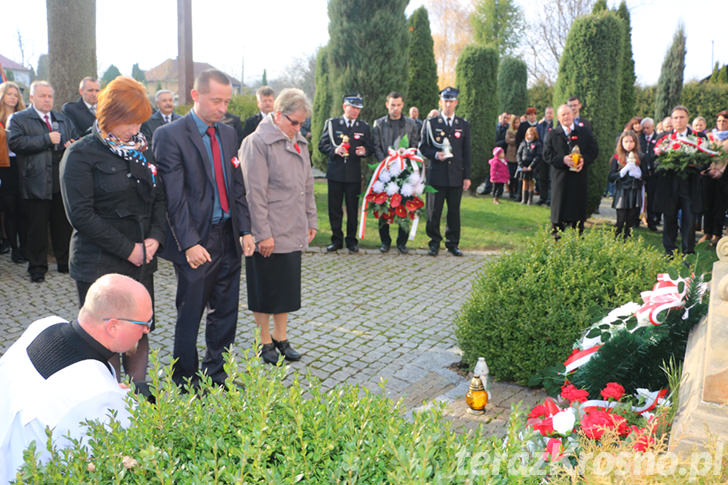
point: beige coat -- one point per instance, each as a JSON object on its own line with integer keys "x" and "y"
{"x": 278, "y": 187}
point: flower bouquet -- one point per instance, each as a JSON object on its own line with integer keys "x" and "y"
{"x": 394, "y": 191}
{"x": 685, "y": 154}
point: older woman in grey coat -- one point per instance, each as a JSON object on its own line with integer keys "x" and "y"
{"x": 279, "y": 190}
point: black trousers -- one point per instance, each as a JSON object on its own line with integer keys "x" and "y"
{"x": 626, "y": 221}
{"x": 544, "y": 183}
{"x": 215, "y": 286}
{"x": 680, "y": 201}
{"x": 42, "y": 214}
{"x": 347, "y": 192}
{"x": 497, "y": 189}
{"x": 435, "y": 203}
{"x": 715, "y": 203}
{"x": 14, "y": 220}
{"x": 402, "y": 235}
{"x": 653, "y": 216}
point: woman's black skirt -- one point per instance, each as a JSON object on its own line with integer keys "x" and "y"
{"x": 274, "y": 283}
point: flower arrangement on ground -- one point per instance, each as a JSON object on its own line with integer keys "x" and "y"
{"x": 685, "y": 154}
{"x": 394, "y": 190}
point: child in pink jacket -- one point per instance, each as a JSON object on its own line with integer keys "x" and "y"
{"x": 499, "y": 174}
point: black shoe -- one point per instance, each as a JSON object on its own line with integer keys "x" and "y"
{"x": 402, "y": 249}
{"x": 63, "y": 268}
{"x": 37, "y": 278}
{"x": 384, "y": 248}
{"x": 455, "y": 251}
{"x": 333, "y": 247}
{"x": 433, "y": 251}
{"x": 18, "y": 257}
{"x": 4, "y": 246}
{"x": 286, "y": 350}
{"x": 652, "y": 227}
{"x": 354, "y": 248}
{"x": 269, "y": 353}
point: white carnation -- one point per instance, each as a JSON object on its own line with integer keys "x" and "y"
{"x": 563, "y": 422}
{"x": 377, "y": 187}
{"x": 419, "y": 188}
{"x": 395, "y": 169}
{"x": 407, "y": 190}
{"x": 385, "y": 176}
{"x": 392, "y": 188}
{"x": 414, "y": 178}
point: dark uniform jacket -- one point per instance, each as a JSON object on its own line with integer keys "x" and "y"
{"x": 251, "y": 124}
{"x": 37, "y": 157}
{"x": 384, "y": 135}
{"x": 452, "y": 171}
{"x": 79, "y": 114}
{"x": 669, "y": 185}
{"x": 234, "y": 122}
{"x": 345, "y": 169}
{"x": 111, "y": 203}
{"x": 568, "y": 189}
{"x": 154, "y": 122}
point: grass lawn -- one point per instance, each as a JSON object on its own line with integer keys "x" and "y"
{"x": 485, "y": 226}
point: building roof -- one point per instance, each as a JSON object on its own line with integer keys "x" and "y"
{"x": 167, "y": 71}
{"x": 10, "y": 64}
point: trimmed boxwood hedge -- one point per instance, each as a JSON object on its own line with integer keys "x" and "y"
{"x": 528, "y": 306}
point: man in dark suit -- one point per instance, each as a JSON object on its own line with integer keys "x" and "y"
{"x": 679, "y": 193}
{"x": 233, "y": 121}
{"x": 208, "y": 221}
{"x": 648, "y": 140}
{"x": 344, "y": 168}
{"x": 449, "y": 171}
{"x": 265, "y": 97}
{"x": 387, "y": 132}
{"x": 575, "y": 106}
{"x": 568, "y": 176}
{"x": 164, "y": 99}
{"x": 82, "y": 113}
{"x": 544, "y": 128}
{"x": 39, "y": 137}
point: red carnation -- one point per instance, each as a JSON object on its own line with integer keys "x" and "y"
{"x": 376, "y": 214}
{"x": 395, "y": 201}
{"x": 553, "y": 450}
{"x": 595, "y": 422}
{"x": 613, "y": 390}
{"x": 370, "y": 197}
{"x": 545, "y": 427}
{"x": 380, "y": 198}
{"x": 571, "y": 393}
{"x": 400, "y": 211}
{"x": 414, "y": 203}
{"x": 675, "y": 146}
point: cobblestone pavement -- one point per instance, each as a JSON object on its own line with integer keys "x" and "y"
{"x": 364, "y": 317}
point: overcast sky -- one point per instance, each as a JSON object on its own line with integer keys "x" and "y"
{"x": 271, "y": 34}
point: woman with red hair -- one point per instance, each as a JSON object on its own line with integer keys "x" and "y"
{"x": 114, "y": 201}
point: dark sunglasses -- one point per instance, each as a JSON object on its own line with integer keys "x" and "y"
{"x": 294, "y": 123}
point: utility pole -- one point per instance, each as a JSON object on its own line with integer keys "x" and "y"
{"x": 185, "y": 69}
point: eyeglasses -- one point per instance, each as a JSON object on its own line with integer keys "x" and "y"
{"x": 138, "y": 322}
{"x": 294, "y": 123}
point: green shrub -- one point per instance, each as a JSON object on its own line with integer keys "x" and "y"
{"x": 527, "y": 307}
{"x": 276, "y": 432}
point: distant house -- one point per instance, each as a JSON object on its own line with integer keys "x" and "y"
{"x": 15, "y": 71}
{"x": 166, "y": 76}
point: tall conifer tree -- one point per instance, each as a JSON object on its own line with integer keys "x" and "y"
{"x": 422, "y": 70}
{"x": 477, "y": 72}
{"x": 669, "y": 86}
{"x": 627, "y": 96}
{"x": 368, "y": 51}
{"x": 512, "y": 86}
{"x": 322, "y": 104}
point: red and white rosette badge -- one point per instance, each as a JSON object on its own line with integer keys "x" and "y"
{"x": 394, "y": 189}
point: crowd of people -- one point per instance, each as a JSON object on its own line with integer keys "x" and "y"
{"x": 539, "y": 159}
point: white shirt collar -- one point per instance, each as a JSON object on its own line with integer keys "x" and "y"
{"x": 89, "y": 106}
{"x": 40, "y": 113}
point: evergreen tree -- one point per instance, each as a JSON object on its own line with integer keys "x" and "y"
{"x": 368, "y": 51}
{"x": 264, "y": 81}
{"x": 714, "y": 75}
{"x": 422, "y": 70}
{"x": 43, "y": 68}
{"x": 722, "y": 75}
{"x": 512, "y": 90}
{"x": 109, "y": 75}
{"x": 498, "y": 23}
{"x": 669, "y": 86}
{"x": 600, "y": 6}
{"x": 477, "y": 71}
{"x": 137, "y": 73}
{"x": 629, "y": 78}
{"x": 322, "y": 105}
{"x": 591, "y": 62}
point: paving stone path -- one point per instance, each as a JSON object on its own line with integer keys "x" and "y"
{"x": 364, "y": 317}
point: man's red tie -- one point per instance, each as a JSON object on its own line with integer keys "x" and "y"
{"x": 219, "y": 176}
{"x": 48, "y": 122}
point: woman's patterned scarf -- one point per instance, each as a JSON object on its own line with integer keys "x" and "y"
{"x": 133, "y": 152}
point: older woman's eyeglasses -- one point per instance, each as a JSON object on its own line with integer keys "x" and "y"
{"x": 294, "y": 123}
{"x": 138, "y": 322}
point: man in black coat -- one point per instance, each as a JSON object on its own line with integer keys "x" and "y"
{"x": 164, "y": 99}
{"x": 544, "y": 128}
{"x": 264, "y": 97}
{"x": 208, "y": 220}
{"x": 39, "y": 136}
{"x": 344, "y": 168}
{"x": 387, "y": 132}
{"x": 568, "y": 178}
{"x": 82, "y": 113}
{"x": 648, "y": 139}
{"x": 449, "y": 172}
{"x": 579, "y": 121}
{"x": 675, "y": 192}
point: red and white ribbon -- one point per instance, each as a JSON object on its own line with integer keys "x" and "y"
{"x": 664, "y": 296}
{"x": 577, "y": 359}
{"x": 652, "y": 399}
